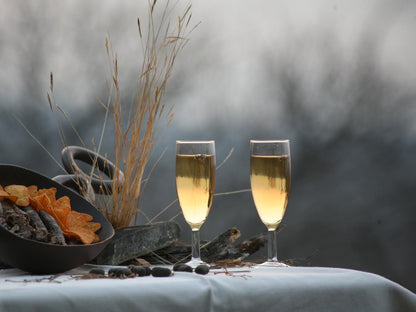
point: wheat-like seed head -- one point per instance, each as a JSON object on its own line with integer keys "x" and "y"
{"x": 134, "y": 138}
{"x": 135, "y": 135}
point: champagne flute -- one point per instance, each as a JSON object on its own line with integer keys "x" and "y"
{"x": 270, "y": 187}
{"x": 195, "y": 183}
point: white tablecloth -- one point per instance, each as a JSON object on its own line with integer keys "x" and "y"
{"x": 264, "y": 289}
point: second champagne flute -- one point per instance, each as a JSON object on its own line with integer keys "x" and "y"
{"x": 195, "y": 184}
{"x": 270, "y": 186}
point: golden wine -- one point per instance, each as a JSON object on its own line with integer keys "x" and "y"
{"x": 195, "y": 183}
{"x": 270, "y": 186}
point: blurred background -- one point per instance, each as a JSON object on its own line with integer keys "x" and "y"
{"x": 337, "y": 78}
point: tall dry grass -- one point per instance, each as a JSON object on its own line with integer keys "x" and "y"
{"x": 135, "y": 123}
{"x": 162, "y": 41}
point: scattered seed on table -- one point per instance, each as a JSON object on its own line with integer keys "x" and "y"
{"x": 140, "y": 270}
{"x": 202, "y": 269}
{"x": 97, "y": 271}
{"x": 161, "y": 272}
{"x": 181, "y": 267}
{"x": 119, "y": 272}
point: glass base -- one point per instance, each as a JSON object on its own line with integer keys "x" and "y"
{"x": 194, "y": 262}
{"x": 273, "y": 264}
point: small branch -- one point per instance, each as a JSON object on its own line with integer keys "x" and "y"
{"x": 221, "y": 248}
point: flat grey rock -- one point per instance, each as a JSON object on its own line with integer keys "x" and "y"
{"x": 135, "y": 241}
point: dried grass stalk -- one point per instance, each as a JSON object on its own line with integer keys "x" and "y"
{"x": 134, "y": 137}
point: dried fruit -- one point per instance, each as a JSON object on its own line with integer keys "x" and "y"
{"x": 74, "y": 225}
{"x": 40, "y": 202}
{"x": 50, "y": 193}
{"x": 140, "y": 270}
{"x": 56, "y": 235}
{"x": 4, "y": 194}
{"x": 19, "y": 191}
{"x": 40, "y": 231}
{"x": 161, "y": 272}
{"x": 97, "y": 271}
{"x": 78, "y": 226}
{"x": 181, "y": 267}
{"x": 202, "y": 269}
{"x": 32, "y": 190}
{"x": 82, "y": 234}
{"x": 122, "y": 272}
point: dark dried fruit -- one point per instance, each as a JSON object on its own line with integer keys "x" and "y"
{"x": 202, "y": 269}
{"x": 40, "y": 232}
{"x": 161, "y": 272}
{"x": 97, "y": 271}
{"x": 140, "y": 270}
{"x": 181, "y": 267}
{"x": 148, "y": 270}
{"x": 119, "y": 272}
{"x": 56, "y": 234}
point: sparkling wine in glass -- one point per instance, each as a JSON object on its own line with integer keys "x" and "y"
{"x": 195, "y": 183}
{"x": 270, "y": 187}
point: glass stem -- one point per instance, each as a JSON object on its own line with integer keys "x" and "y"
{"x": 195, "y": 245}
{"x": 271, "y": 245}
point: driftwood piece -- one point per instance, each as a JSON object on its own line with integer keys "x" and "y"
{"x": 220, "y": 248}
{"x": 136, "y": 241}
{"x": 253, "y": 244}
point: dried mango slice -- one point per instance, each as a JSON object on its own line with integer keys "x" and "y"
{"x": 80, "y": 227}
{"x": 79, "y": 217}
{"x": 96, "y": 238}
{"x": 4, "y": 194}
{"x": 21, "y": 192}
{"x": 40, "y": 202}
{"x": 84, "y": 216}
{"x": 62, "y": 203}
{"x": 93, "y": 226}
{"x": 50, "y": 192}
{"x": 61, "y": 209}
{"x": 84, "y": 235}
{"x": 33, "y": 190}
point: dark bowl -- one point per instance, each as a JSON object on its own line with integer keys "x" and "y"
{"x": 44, "y": 258}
